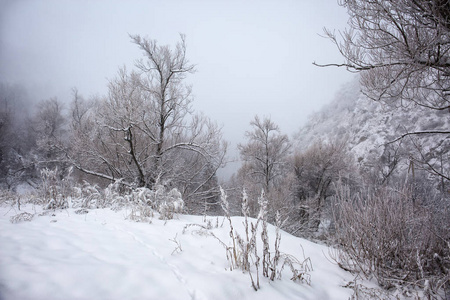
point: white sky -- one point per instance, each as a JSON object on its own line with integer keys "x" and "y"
{"x": 252, "y": 57}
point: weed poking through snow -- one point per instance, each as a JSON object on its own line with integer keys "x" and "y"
{"x": 242, "y": 251}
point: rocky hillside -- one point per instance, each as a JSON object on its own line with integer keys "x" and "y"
{"x": 369, "y": 126}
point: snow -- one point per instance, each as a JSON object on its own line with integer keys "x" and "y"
{"x": 103, "y": 255}
{"x": 369, "y": 125}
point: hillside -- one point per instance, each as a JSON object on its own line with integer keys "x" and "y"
{"x": 369, "y": 126}
{"x": 102, "y": 255}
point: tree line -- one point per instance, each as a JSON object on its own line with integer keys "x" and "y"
{"x": 143, "y": 132}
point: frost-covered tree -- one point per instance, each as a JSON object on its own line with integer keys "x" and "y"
{"x": 164, "y": 70}
{"x": 402, "y": 51}
{"x": 318, "y": 167}
{"x": 265, "y": 152}
{"x": 316, "y": 171}
{"x": 264, "y": 157}
{"x": 401, "y": 48}
{"x": 145, "y": 132}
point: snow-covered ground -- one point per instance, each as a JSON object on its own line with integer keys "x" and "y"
{"x": 103, "y": 255}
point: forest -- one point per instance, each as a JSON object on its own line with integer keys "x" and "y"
{"x": 368, "y": 174}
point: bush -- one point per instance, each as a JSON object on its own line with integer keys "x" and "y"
{"x": 54, "y": 189}
{"x": 402, "y": 242}
{"x": 167, "y": 203}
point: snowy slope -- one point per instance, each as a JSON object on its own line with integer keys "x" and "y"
{"x": 102, "y": 255}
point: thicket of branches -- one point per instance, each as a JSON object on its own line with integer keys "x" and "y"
{"x": 402, "y": 51}
{"x": 391, "y": 222}
{"x": 384, "y": 233}
{"x": 394, "y": 230}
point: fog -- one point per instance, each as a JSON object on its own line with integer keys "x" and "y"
{"x": 252, "y": 57}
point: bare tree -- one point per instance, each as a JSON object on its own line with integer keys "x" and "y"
{"x": 80, "y": 109}
{"x": 164, "y": 70}
{"x": 145, "y": 130}
{"x": 265, "y": 152}
{"x": 322, "y": 164}
{"x": 402, "y": 51}
{"x": 401, "y": 48}
{"x": 264, "y": 158}
{"x": 316, "y": 171}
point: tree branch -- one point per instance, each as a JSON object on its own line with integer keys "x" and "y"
{"x": 417, "y": 133}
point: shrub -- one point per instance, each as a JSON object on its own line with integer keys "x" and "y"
{"x": 402, "y": 242}
{"x": 53, "y": 189}
{"x": 168, "y": 204}
{"x": 88, "y": 196}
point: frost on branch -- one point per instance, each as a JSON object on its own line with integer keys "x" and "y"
{"x": 21, "y": 218}
{"x": 54, "y": 189}
{"x": 169, "y": 203}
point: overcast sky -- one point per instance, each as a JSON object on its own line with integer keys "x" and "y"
{"x": 252, "y": 57}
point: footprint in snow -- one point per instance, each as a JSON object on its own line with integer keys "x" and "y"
{"x": 193, "y": 293}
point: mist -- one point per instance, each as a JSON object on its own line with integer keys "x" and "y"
{"x": 252, "y": 58}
